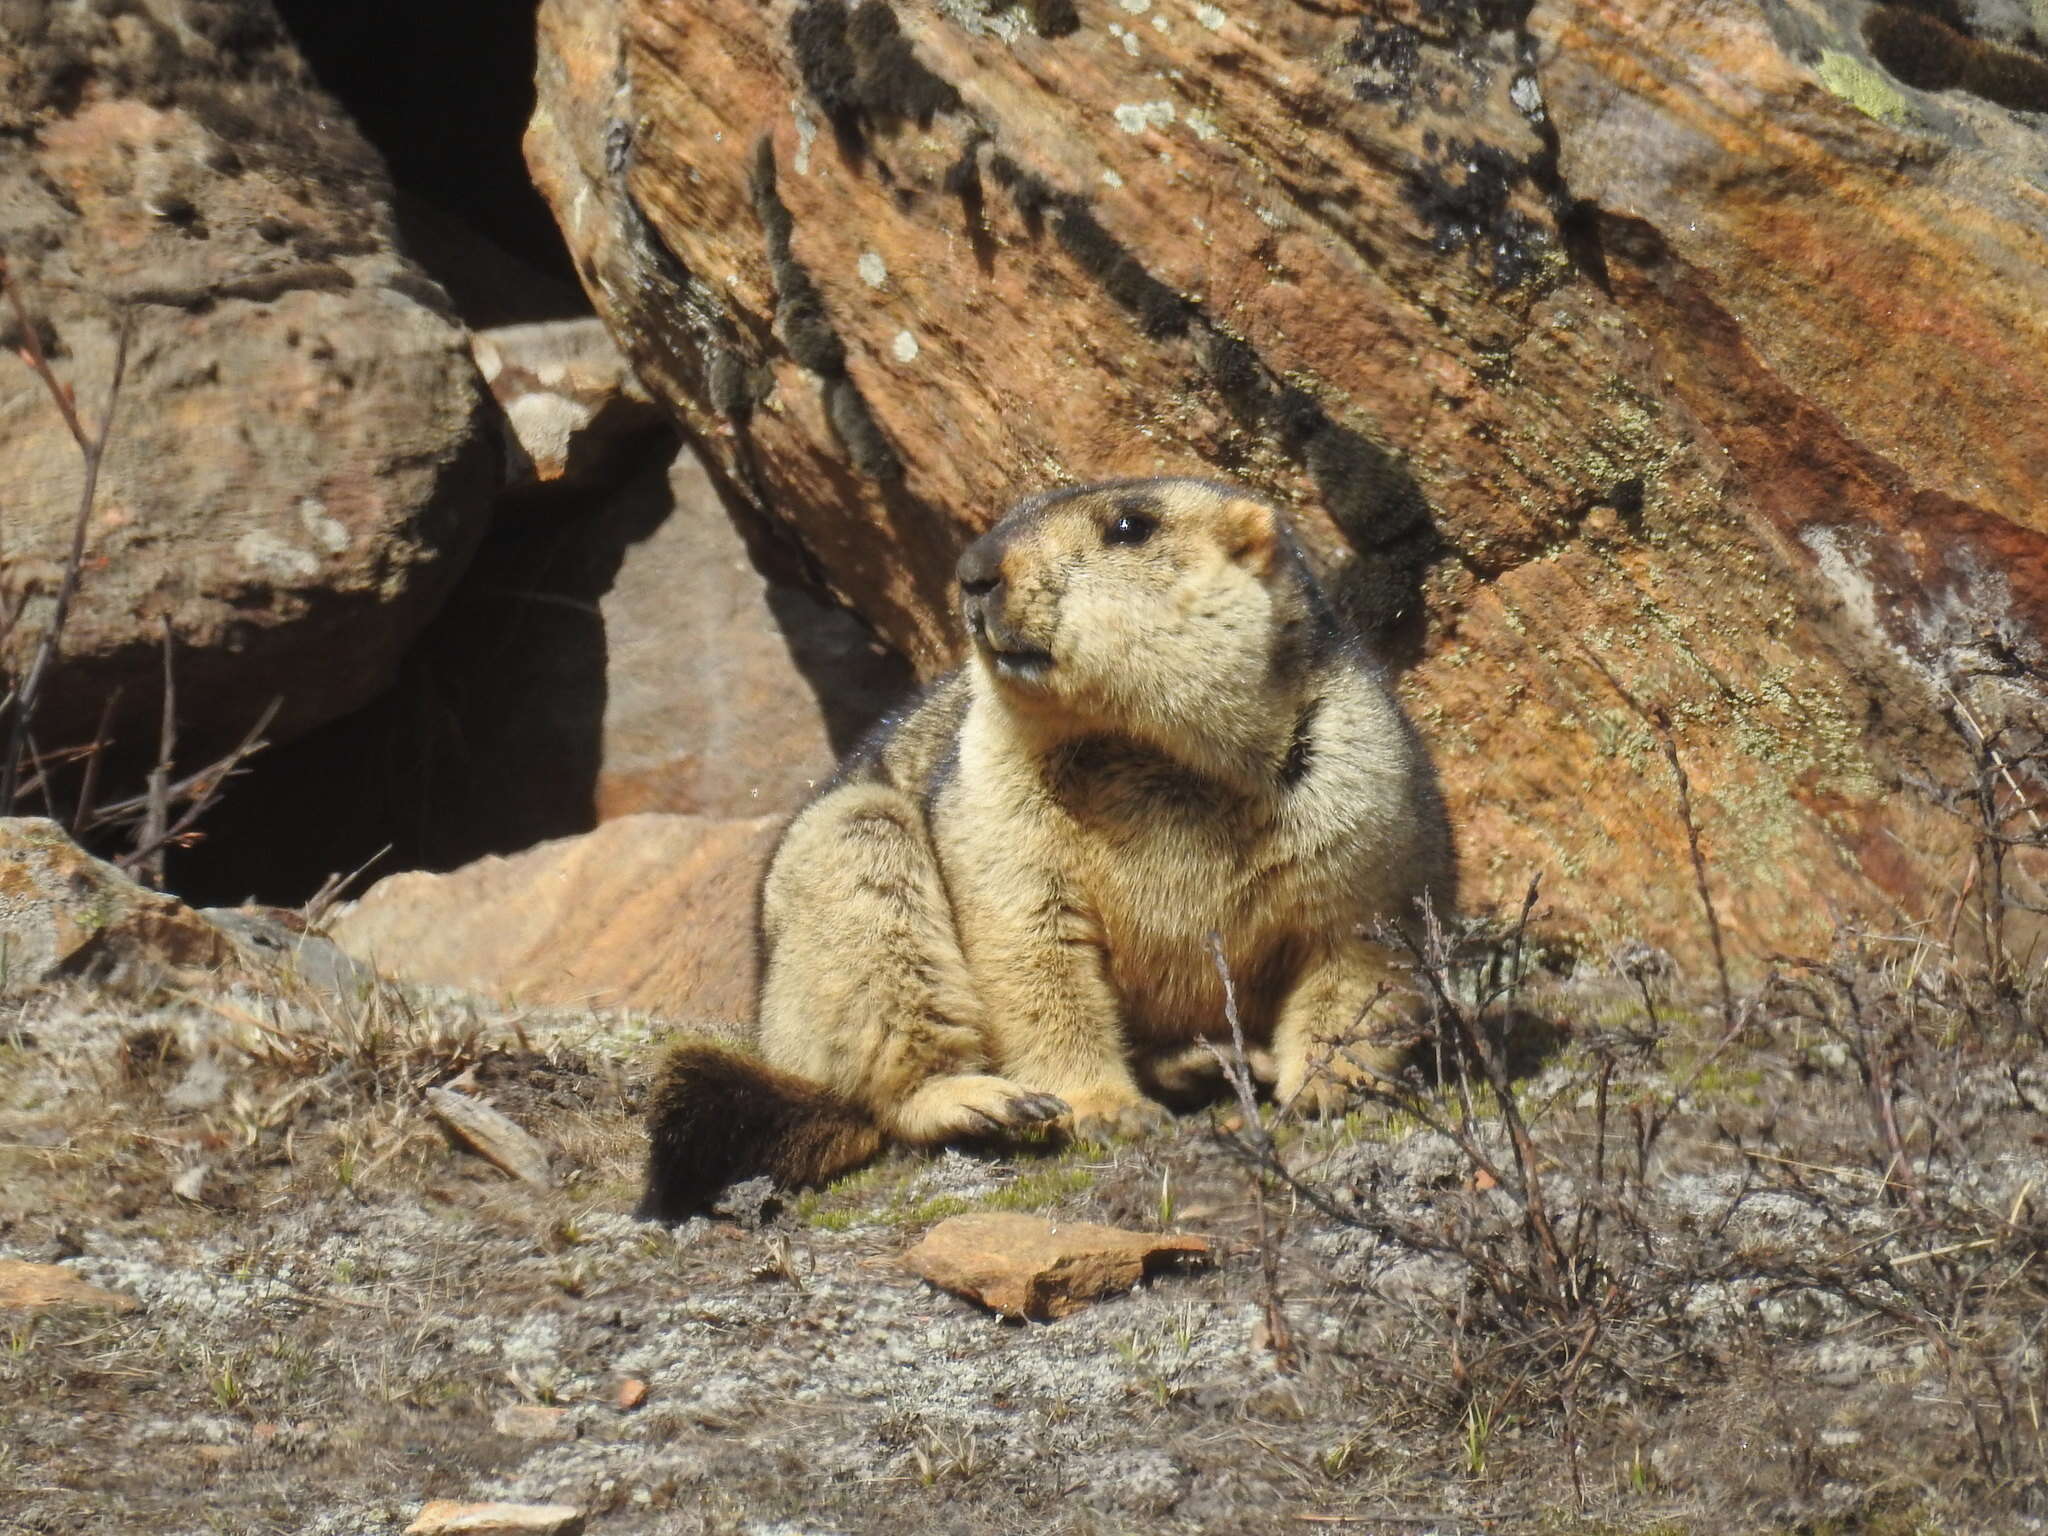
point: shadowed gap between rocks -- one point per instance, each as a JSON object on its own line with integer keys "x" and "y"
{"x": 494, "y": 737}
{"x": 444, "y": 92}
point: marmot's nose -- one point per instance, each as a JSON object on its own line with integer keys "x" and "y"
{"x": 981, "y": 568}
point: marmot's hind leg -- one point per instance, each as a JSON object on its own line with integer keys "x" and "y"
{"x": 864, "y": 988}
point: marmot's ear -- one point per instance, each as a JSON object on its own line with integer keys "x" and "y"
{"x": 1251, "y": 533}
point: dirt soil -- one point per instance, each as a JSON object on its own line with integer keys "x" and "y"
{"x": 1762, "y": 1320}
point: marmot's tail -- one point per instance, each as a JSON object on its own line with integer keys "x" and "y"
{"x": 715, "y": 1117}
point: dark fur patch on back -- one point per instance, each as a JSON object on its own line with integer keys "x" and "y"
{"x": 715, "y": 1117}
{"x": 1301, "y": 752}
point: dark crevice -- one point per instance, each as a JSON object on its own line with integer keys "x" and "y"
{"x": 467, "y": 210}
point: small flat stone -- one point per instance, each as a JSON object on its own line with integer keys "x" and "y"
{"x": 52, "y": 1285}
{"x": 452, "y": 1517}
{"x": 1028, "y": 1266}
{"x": 491, "y": 1135}
{"x": 632, "y": 1393}
{"x": 534, "y": 1421}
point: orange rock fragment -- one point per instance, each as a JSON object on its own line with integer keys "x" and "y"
{"x": 1029, "y": 1266}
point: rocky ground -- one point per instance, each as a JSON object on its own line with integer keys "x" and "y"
{"x": 328, "y": 1312}
{"x": 1644, "y": 380}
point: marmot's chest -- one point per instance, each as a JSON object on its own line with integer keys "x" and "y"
{"x": 1163, "y": 859}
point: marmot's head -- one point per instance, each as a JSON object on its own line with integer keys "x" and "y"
{"x": 1159, "y": 607}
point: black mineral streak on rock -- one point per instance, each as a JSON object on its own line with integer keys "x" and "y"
{"x": 808, "y": 332}
{"x": 861, "y": 71}
{"x": 1464, "y": 196}
{"x": 1388, "y": 56}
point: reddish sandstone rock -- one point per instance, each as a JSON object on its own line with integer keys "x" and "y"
{"x": 35, "y": 1286}
{"x": 452, "y": 1517}
{"x": 1028, "y": 1266}
{"x": 730, "y": 687}
{"x": 1620, "y": 372}
{"x": 651, "y": 913}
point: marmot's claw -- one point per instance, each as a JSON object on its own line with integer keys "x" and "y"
{"x": 1120, "y": 1118}
{"x": 1325, "y": 1098}
{"x": 971, "y": 1104}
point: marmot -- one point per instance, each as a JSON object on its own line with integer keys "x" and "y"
{"x": 997, "y": 913}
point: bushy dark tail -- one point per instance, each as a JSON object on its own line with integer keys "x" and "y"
{"x": 715, "y": 1118}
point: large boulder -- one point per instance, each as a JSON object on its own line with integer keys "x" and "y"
{"x": 65, "y": 915}
{"x": 301, "y": 453}
{"x": 649, "y": 913}
{"x": 1637, "y": 385}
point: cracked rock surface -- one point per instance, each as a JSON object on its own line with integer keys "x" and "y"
{"x": 300, "y": 458}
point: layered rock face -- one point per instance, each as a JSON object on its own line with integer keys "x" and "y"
{"x": 301, "y": 455}
{"x": 1641, "y": 374}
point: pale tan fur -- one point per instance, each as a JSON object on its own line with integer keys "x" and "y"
{"x": 1000, "y": 911}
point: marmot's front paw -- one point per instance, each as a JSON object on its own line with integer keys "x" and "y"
{"x": 972, "y": 1104}
{"x": 1105, "y": 1115}
{"x": 1330, "y": 1081}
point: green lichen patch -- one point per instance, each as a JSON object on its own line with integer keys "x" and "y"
{"x": 1866, "y": 89}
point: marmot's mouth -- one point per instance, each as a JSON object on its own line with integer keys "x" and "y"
{"x": 1026, "y": 666}
{"x": 1019, "y": 663}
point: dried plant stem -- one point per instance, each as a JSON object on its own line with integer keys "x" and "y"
{"x": 89, "y": 783}
{"x": 92, "y": 448}
{"x": 1237, "y": 1068}
{"x": 156, "y": 821}
{"x": 1699, "y": 864}
{"x": 200, "y": 790}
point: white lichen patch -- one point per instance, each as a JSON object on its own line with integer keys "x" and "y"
{"x": 1160, "y": 24}
{"x": 275, "y": 557}
{"x": 1125, "y": 36}
{"x": 1111, "y": 179}
{"x": 905, "y": 347}
{"x": 1150, "y": 114}
{"x": 806, "y": 131}
{"x": 326, "y": 531}
{"x": 873, "y": 270}
{"x": 1204, "y": 127}
{"x": 1135, "y": 7}
{"x": 1210, "y": 17}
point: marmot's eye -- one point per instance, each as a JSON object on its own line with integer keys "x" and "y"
{"x": 1130, "y": 528}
